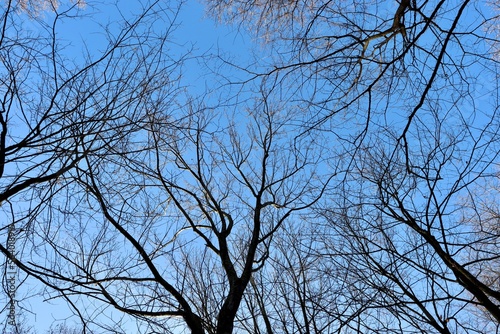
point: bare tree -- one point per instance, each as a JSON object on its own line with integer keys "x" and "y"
{"x": 38, "y": 7}
{"x": 298, "y": 291}
{"x": 341, "y": 58}
{"x": 175, "y": 219}
{"x": 97, "y": 155}
{"x": 480, "y": 214}
{"x": 392, "y": 250}
{"x": 225, "y": 188}
{"x": 222, "y": 219}
{"x": 23, "y": 327}
{"x": 409, "y": 91}
{"x": 418, "y": 237}
{"x": 59, "y": 109}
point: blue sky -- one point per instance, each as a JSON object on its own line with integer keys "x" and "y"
{"x": 195, "y": 31}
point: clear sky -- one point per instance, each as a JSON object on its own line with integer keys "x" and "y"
{"x": 195, "y": 31}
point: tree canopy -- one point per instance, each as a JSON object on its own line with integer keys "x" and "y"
{"x": 342, "y": 178}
